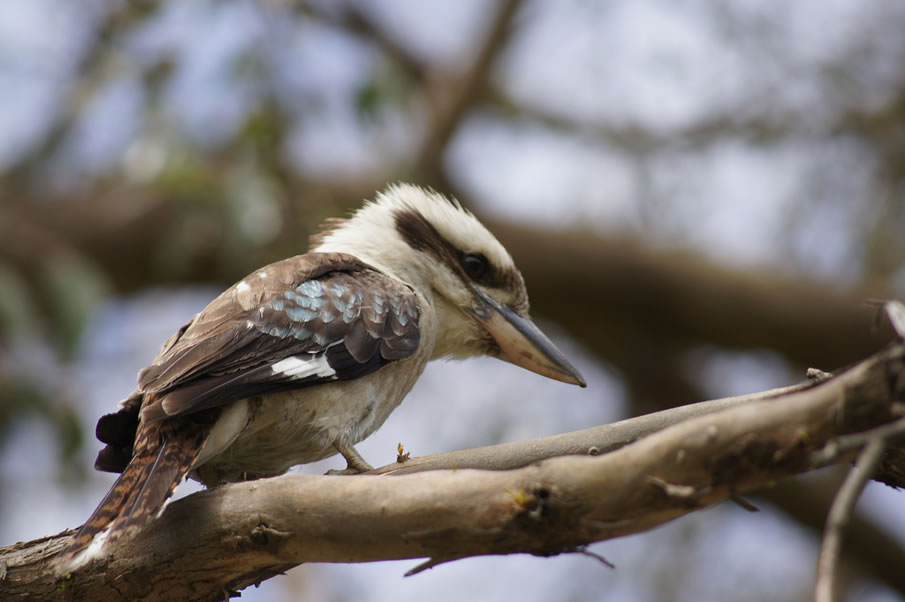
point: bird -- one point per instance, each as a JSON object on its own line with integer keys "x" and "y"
{"x": 305, "y": 357}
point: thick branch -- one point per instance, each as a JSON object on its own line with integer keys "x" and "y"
{"x": 231, "y": 536}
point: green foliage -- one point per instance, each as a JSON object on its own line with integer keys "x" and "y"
{"x": 22, "y": 398}
{"x": 72, "y": 286}
{"x": 386, "y": 88}
{"x": 189, "y": 179}
{"x": 17, "y": 308}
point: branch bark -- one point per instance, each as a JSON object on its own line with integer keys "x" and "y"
{"x": 213, "y": 543}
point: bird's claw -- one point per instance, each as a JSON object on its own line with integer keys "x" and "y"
{"x": 355, "y": 464}
{"x": 335, "y": 472}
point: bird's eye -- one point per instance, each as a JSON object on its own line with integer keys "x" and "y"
{"x": 475, "y": 265}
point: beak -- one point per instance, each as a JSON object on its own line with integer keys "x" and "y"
{"x": 522, "y": 343}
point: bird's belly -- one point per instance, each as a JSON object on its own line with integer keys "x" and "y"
{"x": 301, "y": 426}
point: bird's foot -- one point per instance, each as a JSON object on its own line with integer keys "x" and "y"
{"x": 335, "y": 472}
{"x": 355, "y": 464}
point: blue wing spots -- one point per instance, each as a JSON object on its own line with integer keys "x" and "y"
{"x": 302, "y": 299}
{"x": 404, "y": 312}
{"x": 311, "y": 312}
{"x": 351, "y": 312}
{"x": 347, "y": 303}
{"x": 301, "y": 333}
{"x": 301, "y": 314}
{"x": 312, "y": 302}
{"x": 275, "y": 331}
{"x": 310, "y": 288}
{"x": 294, "y": 297}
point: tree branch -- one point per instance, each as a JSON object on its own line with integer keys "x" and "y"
{"x": 224, "y": 539}
{"x": 452, "y": 97}
{"x": 870, "y": 548}
{"x": 593, "y": 441}
{"x": 840, "y": 514}
{"x": 874, "y": 443}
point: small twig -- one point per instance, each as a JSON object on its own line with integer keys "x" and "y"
{"x": 745, "y": 504}
{"x": 584, "y": 551}
{"x": 839, "y": 516}
{"x": 818, "y": 375}
{"x": 427, "y": 564}
{"x": 833, "y": 449}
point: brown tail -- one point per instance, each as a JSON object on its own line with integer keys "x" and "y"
{"x": 140, "y": 491}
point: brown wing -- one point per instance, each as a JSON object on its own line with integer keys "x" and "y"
{"x": 299, "y": 322}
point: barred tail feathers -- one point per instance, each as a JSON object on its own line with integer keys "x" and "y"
{"x": 134, "y": 499}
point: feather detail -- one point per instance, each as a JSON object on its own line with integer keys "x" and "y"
{"x": 165, "y": 452}
{"x": 118, "y": 431}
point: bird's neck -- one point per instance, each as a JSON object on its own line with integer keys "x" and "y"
{"x": 387, "y": 254}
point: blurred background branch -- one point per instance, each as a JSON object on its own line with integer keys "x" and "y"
{"x": 701, "y": 197}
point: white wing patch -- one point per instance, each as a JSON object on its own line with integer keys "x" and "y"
{"x": 304, "y": 367}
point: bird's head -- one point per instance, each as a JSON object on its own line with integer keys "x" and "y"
{"x": 442, "y": 250}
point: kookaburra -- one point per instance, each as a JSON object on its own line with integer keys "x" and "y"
{"x": 305, "y": 357}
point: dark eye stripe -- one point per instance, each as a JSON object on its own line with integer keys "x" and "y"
{"x": 422, "y": 236}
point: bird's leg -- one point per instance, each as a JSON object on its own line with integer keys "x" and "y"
{"x": 355, "y": 464}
